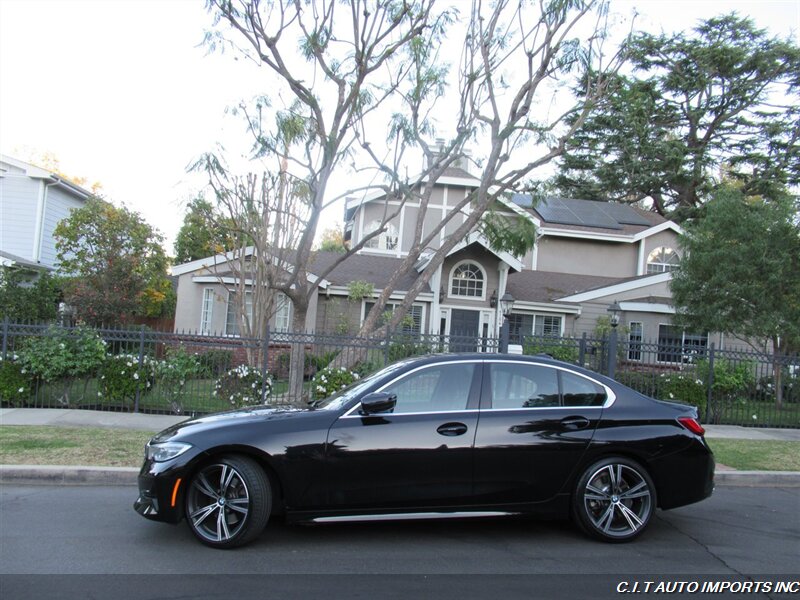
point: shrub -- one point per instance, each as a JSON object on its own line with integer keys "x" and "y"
{"x": 63, "y": 353}
{"x": 682, "y": 387}
{"x": 15, "y": 381}
{"x": 330, "y": 380}
{"x": 121, "y": 377}
{"x": 175, "y": 371}
{"x": 242, "y": 386}
{"x": 559, "y": 348}
{"x": 213, "y": 362}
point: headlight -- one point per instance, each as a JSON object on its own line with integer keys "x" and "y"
{"x": 165, "y": 451}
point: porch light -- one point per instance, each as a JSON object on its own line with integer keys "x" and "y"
{"x": 506, "y": 304}
{"x": 614, "y": 311}
{"x": 493, "y": 300}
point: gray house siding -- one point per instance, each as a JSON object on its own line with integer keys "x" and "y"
{"x": 587, "y": 257}
{"x": 19, "y": 197}
{"x": 58, "y": 205}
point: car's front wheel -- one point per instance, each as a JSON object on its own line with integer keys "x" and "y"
{"x": 614, "y": 500}
{"x": 228, "y": 502}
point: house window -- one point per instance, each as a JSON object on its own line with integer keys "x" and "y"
{"x": 386, "y": 240}
{"x": 547, "y": 325}
{"x": 282, "y": 312}
{"x": 466, "y": 280}
{"x": 519, "y": 326}
{"x": 676, "y": 345}
{"x": 541, "y": 325}
{"x": 206, "y": 311}
{"x": 412, "y": 323}
{"x": 233, "y": 317}
{"x": 662, "y": 260}
{"x": 635, "y": 340}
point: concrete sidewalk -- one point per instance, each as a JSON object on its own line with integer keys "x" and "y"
{"x": 88, "y": 475}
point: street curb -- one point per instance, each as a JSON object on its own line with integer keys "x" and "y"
{"x": 67, "y": 475}
{"x": 758, "y": 478}
{"x": 81, "y": 475}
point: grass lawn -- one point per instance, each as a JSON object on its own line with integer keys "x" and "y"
{"x": 757, "y": 455}
{"x": 35, "y": 445}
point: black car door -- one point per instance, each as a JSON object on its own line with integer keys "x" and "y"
{"x": 536, "y": 422}
{"x": 417, "y": 455}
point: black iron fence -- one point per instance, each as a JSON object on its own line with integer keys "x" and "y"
{"x": 139, "y": 369}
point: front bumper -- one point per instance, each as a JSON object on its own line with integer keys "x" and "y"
{"x": 161, "y": 489}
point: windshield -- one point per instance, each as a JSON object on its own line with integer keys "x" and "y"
{"x": 342, "y": 397}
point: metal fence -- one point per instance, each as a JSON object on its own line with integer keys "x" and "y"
{"x": 140, "y": 369}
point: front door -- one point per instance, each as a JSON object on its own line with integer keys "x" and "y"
{"x": 419, "y": 454}
{"x": 464, "y": 333}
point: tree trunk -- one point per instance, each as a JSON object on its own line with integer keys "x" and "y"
{"x": 297, "y": 355}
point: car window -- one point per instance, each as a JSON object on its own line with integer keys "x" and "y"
{"x": 433, "y": 389}
{"x": 523, "y": 386}
{"x": 579, "y": 391}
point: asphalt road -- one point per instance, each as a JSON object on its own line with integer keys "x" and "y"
{"x": 61, "y": 530}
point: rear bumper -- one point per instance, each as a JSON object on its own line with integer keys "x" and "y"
{"x": 686, "y": 477}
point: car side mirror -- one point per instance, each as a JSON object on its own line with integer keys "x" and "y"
{"x": 378, "y": 402}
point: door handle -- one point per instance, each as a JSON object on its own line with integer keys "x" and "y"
{"x": 451, "y": 429}
{"x": 575, "y": 422}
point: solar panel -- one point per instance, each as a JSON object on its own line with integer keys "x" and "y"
{"x": 623, "y": 213}
{"x": 523, "y": 200}
{"x": 589, "y": 213}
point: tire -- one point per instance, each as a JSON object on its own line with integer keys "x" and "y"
{"x": 614, "y": 500}
{"x": 228, "y": 502}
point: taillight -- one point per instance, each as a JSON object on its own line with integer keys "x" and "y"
{"x": 692, "y": 425}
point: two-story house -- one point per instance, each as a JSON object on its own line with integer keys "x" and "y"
{"x": 32, "y": 202}
{"x": 586, "y": 256}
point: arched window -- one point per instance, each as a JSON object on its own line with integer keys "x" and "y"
{"x": 386, "y": 240}
{"x": 662, "y": 260}
{"x": 467, "y": 280}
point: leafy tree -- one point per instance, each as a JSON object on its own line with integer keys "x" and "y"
{"x": 23, "y": 299}
{"x": 359, "y": 61}
{"x": 724, "y": 99}
{"x": 332, "y": 241}
{"x": 114, "y": 263}
{"x": 740, "y": 272}
{"x": 203, "y": 233}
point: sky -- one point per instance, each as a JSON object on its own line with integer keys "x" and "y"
{"x": 123, "y": 92}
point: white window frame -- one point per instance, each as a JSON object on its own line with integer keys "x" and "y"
{"x": 207, "y": 310}
{"x": 392, "y": 305}
{"x": 485, "y": 282}
{"x": 381, "y": 242}
{"x": 238, "y": 326}
{"x": 544, "y": 316}
{"x": 283, "y": 313}
{"x": 661, "y": 266}
{"x": 684, "y": 358}
{"x": 631, "y": 341}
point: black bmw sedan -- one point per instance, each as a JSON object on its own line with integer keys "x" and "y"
{"x": 438, "y": 436}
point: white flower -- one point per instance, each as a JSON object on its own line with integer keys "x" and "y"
{"x": 755, "y": 417}
{"x": 62, "y": 346}
{"x": 698, "y": 382}
{"x": 23, "y": 371}
{"x": 136, "y": 376}
{"x": 21, "y": 390}
{"x": 130, "y": 364}
{"x": 99, "y": 394}
{"x": 670, "y": 395}
{"x": 122, "y": 373}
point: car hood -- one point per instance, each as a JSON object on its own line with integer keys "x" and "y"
{"x": 239, "y": 417}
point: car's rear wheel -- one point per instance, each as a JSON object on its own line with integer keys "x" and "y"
{"x": 614, "y": 500}
{"x": 228, "y": 502}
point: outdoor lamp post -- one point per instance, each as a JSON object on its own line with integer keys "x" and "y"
{"x": 506, "y": 305}
{"x": 613, "y": 311}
